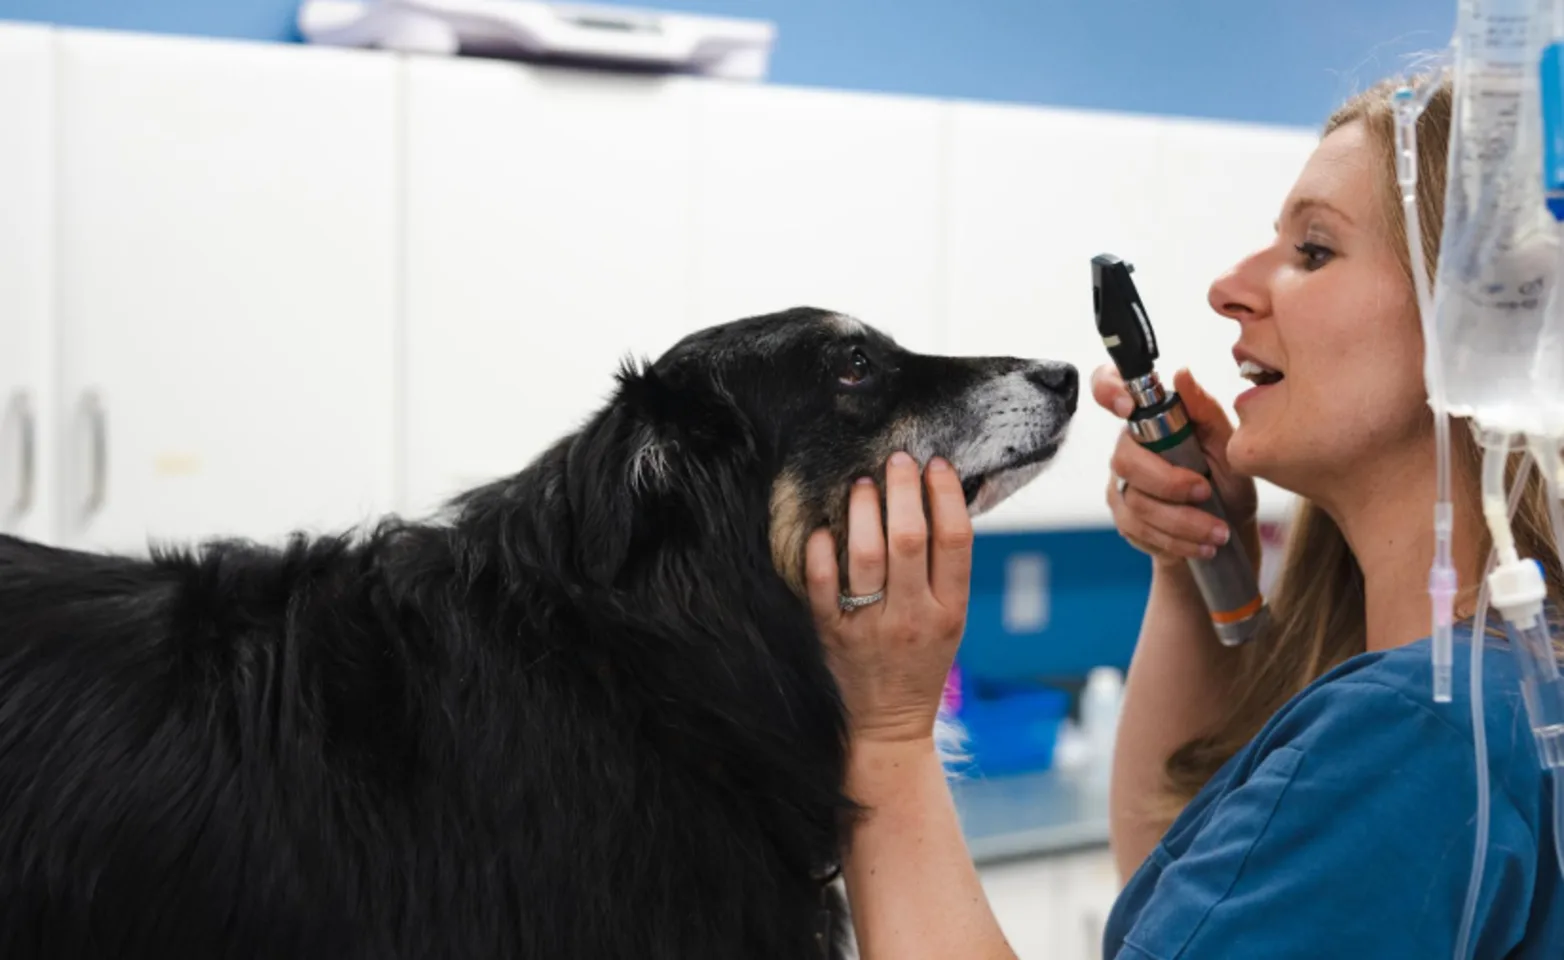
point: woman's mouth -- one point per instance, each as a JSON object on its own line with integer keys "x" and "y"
{"x": 1260, "y": 375}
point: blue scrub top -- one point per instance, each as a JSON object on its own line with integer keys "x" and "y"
{"x": 1346, "y": 829}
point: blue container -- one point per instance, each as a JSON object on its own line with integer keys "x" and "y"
{"x": 1010, "y": 729}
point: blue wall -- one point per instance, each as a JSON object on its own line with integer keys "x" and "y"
{"x": 1094, "y": 593}
{"x": 1240, "y": 59}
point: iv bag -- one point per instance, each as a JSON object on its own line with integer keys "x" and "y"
{"x": 1548, "y": 373}
{"x": 1499, "y": 255}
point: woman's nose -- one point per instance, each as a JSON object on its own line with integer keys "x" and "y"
{"x": 1240, "y": 292}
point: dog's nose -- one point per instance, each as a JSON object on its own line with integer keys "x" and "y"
{"x": 1061, "y": 378}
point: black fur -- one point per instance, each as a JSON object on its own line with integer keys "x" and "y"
{"x": 582, "y": 718}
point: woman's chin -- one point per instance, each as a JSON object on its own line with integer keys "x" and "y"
{"x": 1251, "y": 454}
{"x": 1277, "y": 464}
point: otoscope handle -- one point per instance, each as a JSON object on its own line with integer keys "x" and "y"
{"x": 1161, "y": 424}
{"x": 1227, "y": 581}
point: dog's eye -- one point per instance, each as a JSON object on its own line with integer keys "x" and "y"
{"x": 856, "y": 369}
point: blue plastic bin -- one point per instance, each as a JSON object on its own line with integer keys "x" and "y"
{"x": 1010, "y": 728}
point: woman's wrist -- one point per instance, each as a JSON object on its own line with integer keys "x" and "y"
{"x": 880, "y": 752}
{"x": 879, "y": 766}
{"x": 914, "y": 890}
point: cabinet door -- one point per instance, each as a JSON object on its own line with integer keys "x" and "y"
{"x": 1233, "y": 180}
{"x": 227, "y": 287}
{"x": 1033, "y": 195}
{"x": 1028, "y": 898}
{"x": 1091, "y": 890}
{"x": 547, "y": 229}
{"x": 1053, "y": 906}
{"x": 824, "y": 199}
{"x": 26, "y": 281}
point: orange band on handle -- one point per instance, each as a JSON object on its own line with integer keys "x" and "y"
{"x": 1242, "y": 613}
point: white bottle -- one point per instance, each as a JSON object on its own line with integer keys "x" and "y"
{"x": 1100, "y": 703}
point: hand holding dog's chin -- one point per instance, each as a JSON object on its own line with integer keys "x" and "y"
{"x": 912, "y": 885}
{"x": 891, "y": 658}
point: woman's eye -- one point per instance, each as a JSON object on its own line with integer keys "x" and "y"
{"x": 857, "y": 368}
{"x": 1314, "y": 255}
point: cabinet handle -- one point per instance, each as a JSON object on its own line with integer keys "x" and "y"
{"x": 21, "y": 411}
{"x": 97, "y": 473}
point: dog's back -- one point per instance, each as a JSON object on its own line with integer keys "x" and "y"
{"x": 413, "y": 745}
{"x": 154, "y": 747}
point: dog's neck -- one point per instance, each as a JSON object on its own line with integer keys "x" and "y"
{"x": 696, "y": 591}
{"x": 695, "y": 622}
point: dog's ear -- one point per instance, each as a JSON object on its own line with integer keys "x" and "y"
{"x": 635, "y": 457}
{"x": 682, "y": 418}
{"x": 653, "y": 443}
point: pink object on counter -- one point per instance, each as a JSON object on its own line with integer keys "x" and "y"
{"x": 951, "y": 699}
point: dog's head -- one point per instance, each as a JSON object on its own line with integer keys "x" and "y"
{"x": 794, "y": 407}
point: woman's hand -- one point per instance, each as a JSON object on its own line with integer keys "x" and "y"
{"x": 891, "y": 658}
{"x": 1154, "y": 510}
{"x": 914, "y": 891}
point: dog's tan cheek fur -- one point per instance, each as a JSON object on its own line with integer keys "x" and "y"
{"x": 789, "y": 533}
{"x": 793, "y": 520}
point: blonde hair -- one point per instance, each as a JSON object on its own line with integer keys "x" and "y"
{"x": 1317, "y": 603}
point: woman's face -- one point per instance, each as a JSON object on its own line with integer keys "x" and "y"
{"x": 1328, "y": 331}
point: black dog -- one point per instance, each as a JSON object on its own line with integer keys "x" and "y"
{"x": 584, "y": 717}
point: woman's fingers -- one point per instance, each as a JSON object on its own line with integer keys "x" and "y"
{"x": 1167, "y": 528}
{"x": 951, "y": 560}
{"x": 895, "y": 556}
{"x": 1214, "y": 431}
{"x": 907, "y": 534}
{"x": 1211, "y": 422}
{"x": 865, "y": 540}
{"x": 1108, "y": 390}
{"x": 1150, "y": 474}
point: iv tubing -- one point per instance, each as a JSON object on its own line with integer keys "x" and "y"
{"x": 1463, "y": 945}
{"x": 1494, "y": 457}
{"x": 1442, "y": 580}
{"x": 1545, "y": 452}
{"x": 1558, "y": 816}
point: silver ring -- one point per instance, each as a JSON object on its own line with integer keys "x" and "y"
{"x": 849, "y": 603}
{"x": 1123, "y": 486}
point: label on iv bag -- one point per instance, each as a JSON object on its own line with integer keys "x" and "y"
{"x": 1551, "y": 84}
{"x": 1499, "y": 257}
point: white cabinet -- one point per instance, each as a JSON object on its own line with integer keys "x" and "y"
{"x": 548, "y": 237}
{"x": 226, "y": 287}
{"x": 558, "y": 221}
{"x": 26, "y": 282}
{"x": 820, "y": 198}
{"x": 1033, "y": 195}
{"x": 1053, "y": 907}
{"x": 249, "y": 288}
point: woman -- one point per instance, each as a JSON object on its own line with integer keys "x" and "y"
{"x": 1302, "y": 796}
